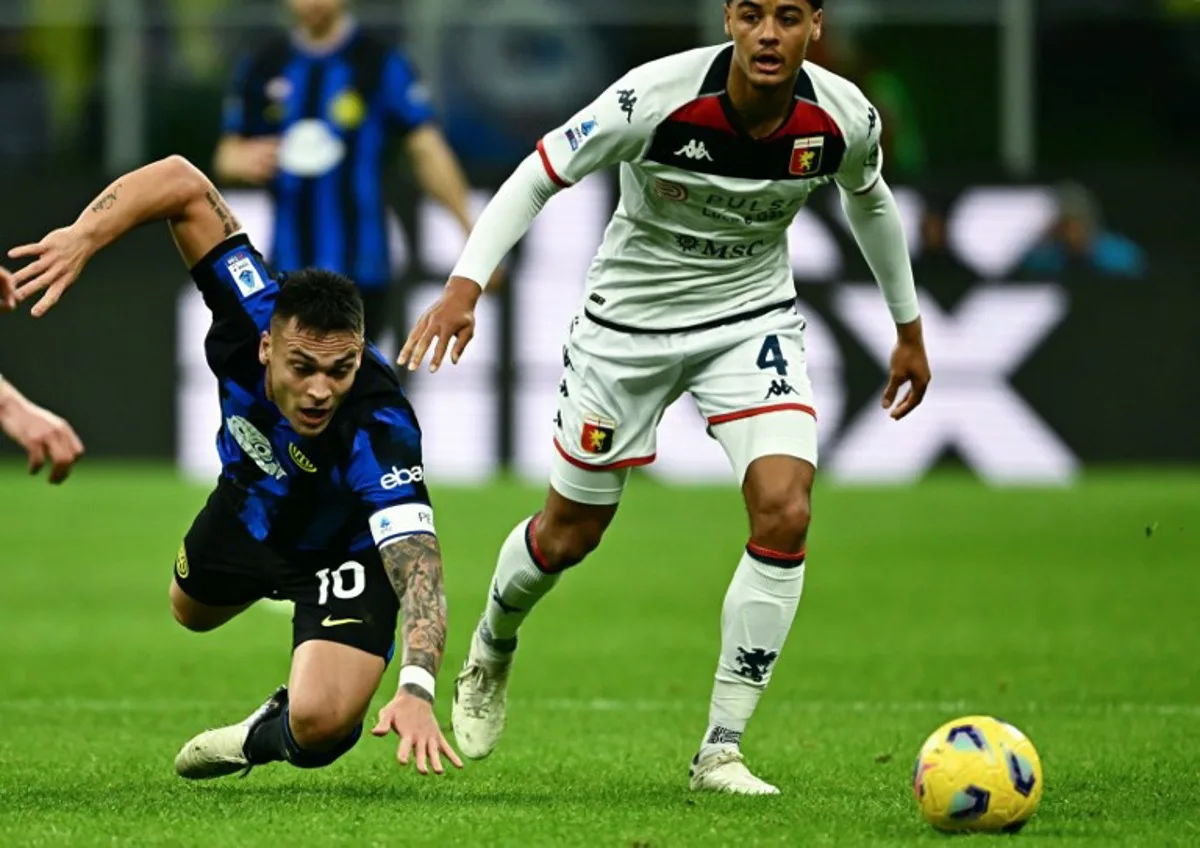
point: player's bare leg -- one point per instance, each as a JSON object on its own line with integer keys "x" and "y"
{"x": 756, "y": 617}
{"x": 531, "y": 560}
{"x": 310, "y": 723}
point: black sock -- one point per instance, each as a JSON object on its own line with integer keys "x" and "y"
{"x": 265, "y": 744}
{"x": 272, "y": 741}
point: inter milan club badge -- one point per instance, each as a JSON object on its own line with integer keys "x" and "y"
{"x": 806, "y": 155}
{"x": 597, "y": 434}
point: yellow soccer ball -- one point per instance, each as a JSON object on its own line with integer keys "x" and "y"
{"x": 978, "y": 773}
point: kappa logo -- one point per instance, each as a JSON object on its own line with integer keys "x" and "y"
{"x": 694, "y": 150}
{"x": 255, "y": 445}
{"x": 398, "y": 477}
{"x": 626, "y": 99}
{"x": 779, "y": 388}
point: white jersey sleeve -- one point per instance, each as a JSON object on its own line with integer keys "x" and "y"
{"x": 862, "y": 165}
{"x": 615, "y": 127}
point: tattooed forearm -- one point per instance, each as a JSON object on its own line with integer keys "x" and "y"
{"x": 107, "y": 201}
{"x": 414, "y": 566}
{"x": 217, "y": 203}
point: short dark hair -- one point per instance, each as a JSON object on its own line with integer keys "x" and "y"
{"x": 320, "y": 300}
{"x": 816, "y": 4}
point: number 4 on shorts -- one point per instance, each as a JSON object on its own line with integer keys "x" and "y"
{"x": 771, "y": 356}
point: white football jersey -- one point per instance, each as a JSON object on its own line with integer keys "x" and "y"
{"x": 700, "y": 233}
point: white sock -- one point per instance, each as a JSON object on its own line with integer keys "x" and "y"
{"x": 517, "y": 585}
{"x": 755, "y": 619}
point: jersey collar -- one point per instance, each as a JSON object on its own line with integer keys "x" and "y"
{"x": 302, "y": 46}
{"x": 715, "y": 85}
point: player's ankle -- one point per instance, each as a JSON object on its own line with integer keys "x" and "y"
{"x": 719, "y": 738}
{"x": 491, "y": 650}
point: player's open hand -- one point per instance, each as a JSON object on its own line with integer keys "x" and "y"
{"x": 413, "y": 720}
{"x": 41, "y": 434}
{"x": 57, "y": 261}
{"x": 909, "y": 365}
{"x": 451, "y": 318}
{"x": 8, "y": 292}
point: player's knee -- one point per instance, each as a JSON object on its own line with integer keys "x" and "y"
{"x": 780, "y": 521}
{"x": 565, "y": 546}
{"x": 320, "y": 729}
{"x": 567, "y": 533}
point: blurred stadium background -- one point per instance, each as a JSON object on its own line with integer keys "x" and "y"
{"x": 1012, "y": 124}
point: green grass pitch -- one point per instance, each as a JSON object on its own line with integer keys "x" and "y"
{"x": 1072, "y": 613}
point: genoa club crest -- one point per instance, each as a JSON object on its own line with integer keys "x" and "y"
{"x": 806, "y": 156}
{"x": 597, "y": 436}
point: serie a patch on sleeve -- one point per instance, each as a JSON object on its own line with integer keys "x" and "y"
{"x": 396, "y": 522}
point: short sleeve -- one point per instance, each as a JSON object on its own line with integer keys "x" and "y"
{"x": 862, "y": 165}
{"x": 236, "y": 284}
{"x": 387, "y": 473}
{"x": 236, "y": 108}
{"x": 613, "y": 128}
{"x": 406, "y": 98}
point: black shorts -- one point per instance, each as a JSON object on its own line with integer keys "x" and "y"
{"x": 339, "y": 596}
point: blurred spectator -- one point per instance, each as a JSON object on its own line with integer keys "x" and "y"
{"x": 23, "y": 93}
{"x": 63, "y": 44}
{"x": 935, "y": 261}
{"x": 1078, "y": 242}
{"x": 309, "y": 116}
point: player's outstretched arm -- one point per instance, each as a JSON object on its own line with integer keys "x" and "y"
{"x": 40, "y": 433}
{"x": 414, "y": 566}
{"x": 171, "y": 190}
{"x": 503, "y": 222}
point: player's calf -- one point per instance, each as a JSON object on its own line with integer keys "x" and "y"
{"x": 761, "y": 602}
{"x": 565, "y": 532}
{"x": 531, "y": 561}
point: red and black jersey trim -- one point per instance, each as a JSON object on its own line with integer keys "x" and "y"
{"x": 706, "y": 135}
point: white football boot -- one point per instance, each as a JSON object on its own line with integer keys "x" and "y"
{"x": 725, "y": 771}
{"x": 221, "y": 751}
{"x": 480, "y": 700}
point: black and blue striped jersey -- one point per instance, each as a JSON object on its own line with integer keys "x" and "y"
{"x": 360, "y": 482}
{"x": 335, "y": 113}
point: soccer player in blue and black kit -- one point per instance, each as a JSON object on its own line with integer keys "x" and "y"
{"x": 311, "y": 115}
{"x": 321, "y": 498}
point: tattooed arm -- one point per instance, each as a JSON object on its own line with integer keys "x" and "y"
{"x": 414, "y": 566}
{"x": 171, "y": 190}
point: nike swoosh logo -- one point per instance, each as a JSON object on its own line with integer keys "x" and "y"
{"x": 329, "y": 621}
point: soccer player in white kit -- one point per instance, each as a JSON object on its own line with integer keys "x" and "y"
{"x": 691, "y": 291}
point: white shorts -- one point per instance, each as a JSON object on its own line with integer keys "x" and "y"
{"x": 748, "y": 379}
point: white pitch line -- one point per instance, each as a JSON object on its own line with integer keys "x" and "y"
{"x": 609, "y": 705}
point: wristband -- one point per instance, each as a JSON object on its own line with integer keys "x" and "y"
{"x": 418, "y": 677}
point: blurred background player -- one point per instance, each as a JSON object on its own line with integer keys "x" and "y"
{"x": 321, "y": 499}
{"x": 691, "y": 291}
{"x": 40, "y": 433}
{"x": 312, "y": 115}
